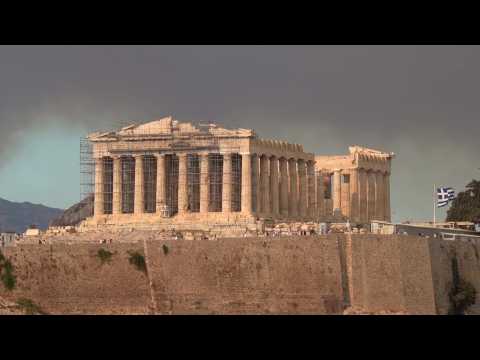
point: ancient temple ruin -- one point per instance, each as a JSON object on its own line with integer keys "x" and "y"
{"x": 167, "y": 174}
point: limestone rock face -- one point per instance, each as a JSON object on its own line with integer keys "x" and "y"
{"x": 75, "y": 214}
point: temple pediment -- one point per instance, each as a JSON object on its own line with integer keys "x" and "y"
{"x": 162, "y": 126}
{"x": 369, "y": 152}
{"x": 170, "y": 126}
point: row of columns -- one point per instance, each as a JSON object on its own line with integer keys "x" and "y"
{"x": 161, "y": 196}
{"x": 365, "y": 197}
{"x": 285, "y": 187}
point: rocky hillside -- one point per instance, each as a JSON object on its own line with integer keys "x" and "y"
{"x": 19, "y": 216}
{"x": 75, "y": 214}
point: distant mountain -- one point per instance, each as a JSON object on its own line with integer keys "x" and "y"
{"x": 75, "y": 214}
{"x": 19, "y": 216}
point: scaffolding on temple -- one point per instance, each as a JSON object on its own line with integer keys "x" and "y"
{"x": 127, "y": 151}
{"x": 87, "y": 169}
{"x": 193, "y": 182}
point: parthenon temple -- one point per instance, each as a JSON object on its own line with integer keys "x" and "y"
{"x": 166, "y": 173}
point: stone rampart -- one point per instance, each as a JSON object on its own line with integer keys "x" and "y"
{"x": 279, "y": 275}
{"x": 244, "y": 276}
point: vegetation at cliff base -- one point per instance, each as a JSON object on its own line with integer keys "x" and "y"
{"x": 138, "y": 260}
{"x": 104, "y": 255}
{"x": 6, "y": 273}
{"x": 462, "y": 294}
{"x": 165, "y": 249}
{"x": 29, "y": 307}
{"x": 462, "y": 297}
{"x": 466, "y": 206}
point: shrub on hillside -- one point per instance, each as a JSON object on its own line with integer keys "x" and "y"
{"x": 138, "y": 260}
{"x": 165, "y": 249}
{"x": 462, "y": 296}
{"x": 6, "y": 273}
{"x": 29, "y": 307}
{"x": 104, "y": 255}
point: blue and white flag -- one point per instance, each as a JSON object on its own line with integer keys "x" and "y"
{"x": 444, "y": 195}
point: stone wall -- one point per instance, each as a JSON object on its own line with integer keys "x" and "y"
{"x": 294, "y": 275}
{"x": 390, "y": 273}
{"x": 467, "y": 255}
{"x": 65, "y": 279}
{"x": 241, "y": 276}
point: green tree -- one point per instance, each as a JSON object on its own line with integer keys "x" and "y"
{"x": 466, "y": 206}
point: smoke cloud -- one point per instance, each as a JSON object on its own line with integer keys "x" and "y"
{"x": 417, "y": 101}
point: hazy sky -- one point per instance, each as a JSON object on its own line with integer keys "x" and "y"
{"x": 421, "y": 102}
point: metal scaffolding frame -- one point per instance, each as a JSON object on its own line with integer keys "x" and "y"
{"x": 215, "y": 169}
{"x": 236, "y": 182}
{"x": 127, "y": 150}
{"x": 150, "y": 183}
{"x": 128, "y": 184}
{"x": 193, "y": 182}
{"x": 87, "y": 169}
{"x": 107, "y": 164}
{"x": 171, "y": 183}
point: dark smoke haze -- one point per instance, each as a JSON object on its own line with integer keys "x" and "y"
{"x": 421, "y": 102}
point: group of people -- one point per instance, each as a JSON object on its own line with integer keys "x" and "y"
{"x": 105, "y": 241}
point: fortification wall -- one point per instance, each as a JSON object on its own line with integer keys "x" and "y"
{"x": 241, "y": 275}
{"x": 390, "y": 273}
{"x": 69, "y": 279}
{"x": 294, "y": 275}
{"x": 441, "y": 254}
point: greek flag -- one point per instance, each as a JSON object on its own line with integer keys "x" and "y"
{"x": 444, "y": 195}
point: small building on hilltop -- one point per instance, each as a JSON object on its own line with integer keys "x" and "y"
{"x": 8, "y": 238}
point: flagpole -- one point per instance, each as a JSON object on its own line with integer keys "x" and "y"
{"x": 434, "y": 206}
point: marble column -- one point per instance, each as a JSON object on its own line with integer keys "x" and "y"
{"x": 302, "y": 189}
{"x": 337, "y": 194}
{"x": 363, "y": 192}
{"x": 312, "y": 201}
{"x": 386, "y": 179}
{"x": 370, "y": 196}
{"x": 182, "y": 184}
{"x": 354, "y": 203}
{"x": 256, "y": 184}
{"x": 227, "y": 184}
{"x": 98, "y": 208}
{"x": 345, "y": 191}
{"x": 274, "y": 186}
{"x": 284, "y": 187}
{"x": 246, "y": 184}
{"x": 117, "y": 185}
{"x": 265, "y": 186}
{"x": 379, "y": 197}
{"x": 204, "y": 184}
{"x": 320, "y": 195}
{"x": 293, "y": 191}
{"x": 161, "y": 181}
{"x": 139, "y": 199}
